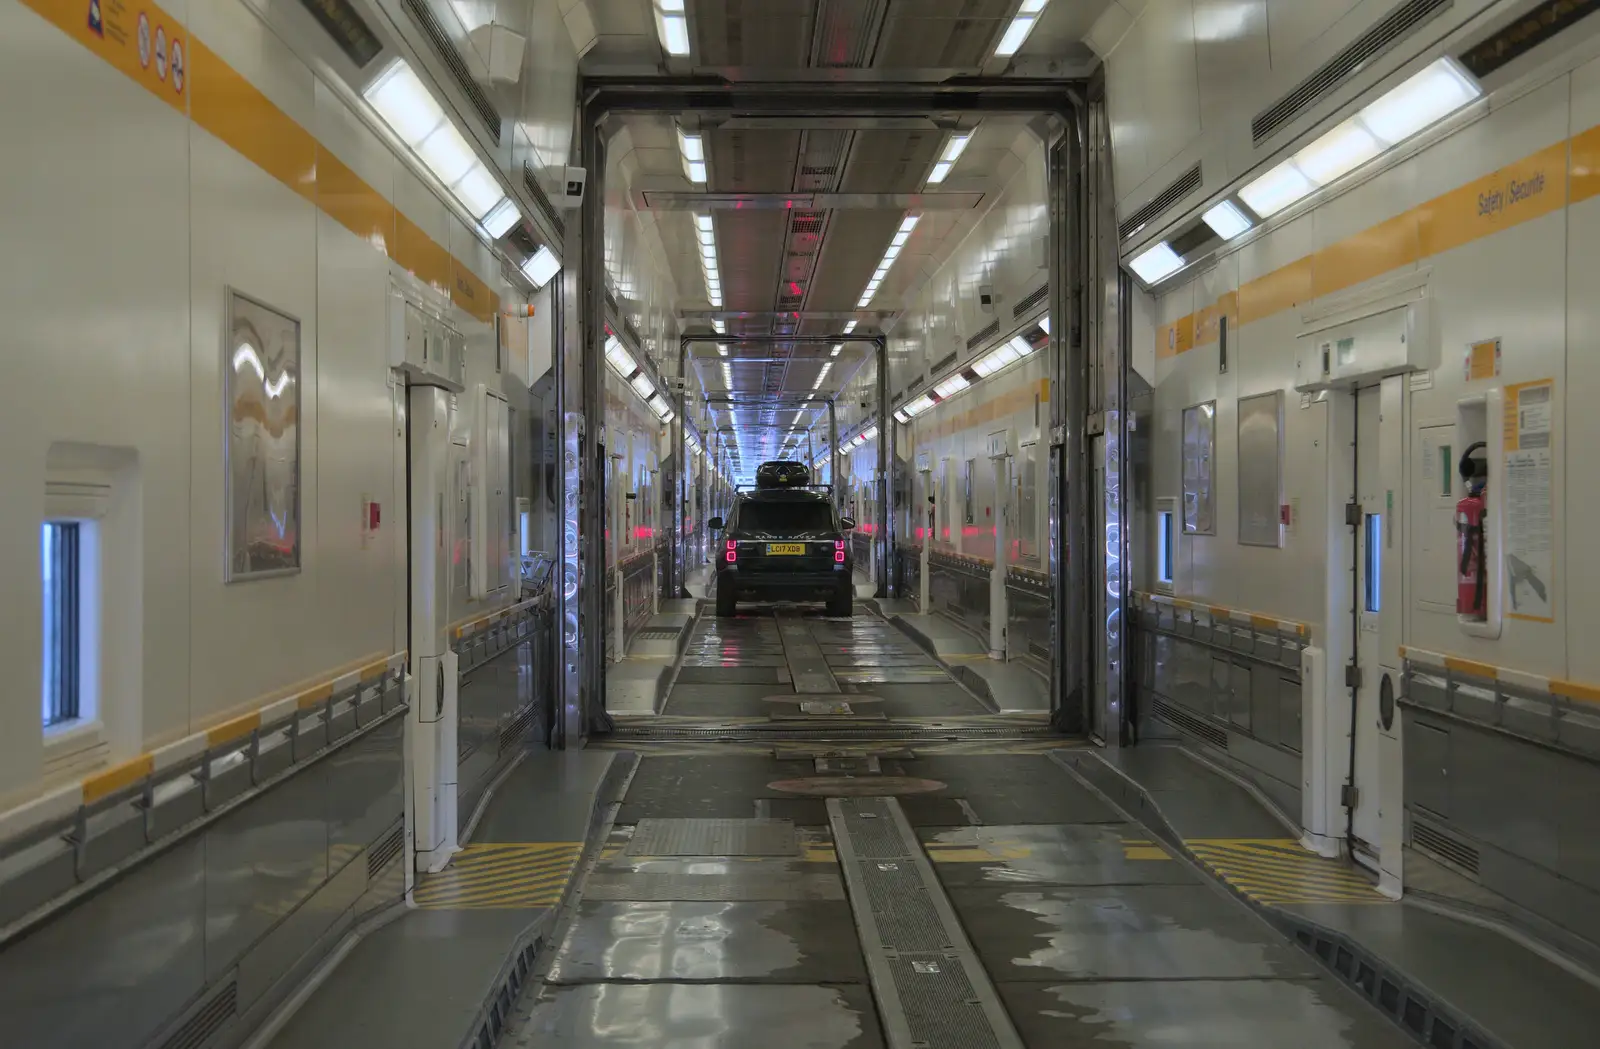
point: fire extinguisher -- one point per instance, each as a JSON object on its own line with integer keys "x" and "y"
{"x": 1471, "y": 572}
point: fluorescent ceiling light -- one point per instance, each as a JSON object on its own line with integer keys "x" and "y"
{"x": 871, "y": 433}
{"x": 947, "y": 159}
{"x": 1017, "y": 32}
{"x": 918, "y": 406}
{"x": 403, "y": 101}
{"x": 1337, "y": 153}
{"x": 719, "y": 326}
{"x": 901, "y": 416}
{"x": 1412, "y": 106}
{"x": 692, "y": 147}
{"x": 848, "y": 328}
{"x": 838, "y": 348}
{"x": 953, "y": 384}
{"x": 1426, "y": 98}
{"x": 541, "y": 266}
{"x": 1044, "y": 324}
{"x": 1021, "y": 344}
{"x": 1276, "y": 190}
{"x": 618, "y": 357}
{"x": 1157, "y": 263}
{"x": 499, "y": 221}
{"x": 705, "y": 234}
{"x": 994, "y": 361}
{"x": 907, "y": 224}
{"x": 672, "y": 27}
{"x": 1225, "y": 220}
{"x": 643, "y": 386}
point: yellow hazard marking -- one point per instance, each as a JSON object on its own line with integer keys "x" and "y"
{"x": 501, "y": 876}
{"x": 1143, "y": 849}
{"x": 1280, "y": 871}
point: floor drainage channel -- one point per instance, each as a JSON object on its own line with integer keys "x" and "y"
{"x": 931, "y": 990}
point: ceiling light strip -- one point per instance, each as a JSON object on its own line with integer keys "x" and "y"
{"x": 902, "y": 235}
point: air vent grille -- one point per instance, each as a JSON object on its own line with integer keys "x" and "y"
{"x": 811, "y": 222}
{"x": 1192, "y": 723}
{"x": 516, "y": 728}
{"x": 1036, "y": 296}
{"x": 979, "y": 337}
{"x": 817, "y": 170}
{"x": 1181, "y": 187}
{"x": 943, "y": 362}
{"x": 1397, "y": 24}
{"x": 382, "y": 851}
{"x": 1444, "y": 845}
{"x": 446, "y": 51}
{"x": 207, "y": 1020}
{"x": 541, "y": 200}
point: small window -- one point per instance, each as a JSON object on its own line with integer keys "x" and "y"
{"x": 1164, "y": 547}
{"x": 1447, "y": 470}
{"x": 1374, "y": 563}
{"x": 62, "y": 579}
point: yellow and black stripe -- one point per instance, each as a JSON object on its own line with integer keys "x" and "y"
{"x": 1280, "y": 871}
{"x": 501, "y": 876}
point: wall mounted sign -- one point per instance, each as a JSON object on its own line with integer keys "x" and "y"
{"x": 261, "y": 440}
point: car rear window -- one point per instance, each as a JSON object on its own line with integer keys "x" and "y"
{"x": 785, "y": 517}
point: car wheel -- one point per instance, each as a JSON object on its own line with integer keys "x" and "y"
{"x": 727, "y": 605}
{"x": 842, "y": 604}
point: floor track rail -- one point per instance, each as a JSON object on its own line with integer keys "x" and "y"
{"x": 931, "y": 989}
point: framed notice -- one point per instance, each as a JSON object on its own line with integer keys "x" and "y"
{"x": 1199, "y": 455}
{"x": 261, "y": 440}
{"x": 1529, "y": 547}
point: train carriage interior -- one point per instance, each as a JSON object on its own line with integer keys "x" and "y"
{"x": 813, "y": 524}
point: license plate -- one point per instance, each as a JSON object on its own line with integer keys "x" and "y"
{"x": 785, "y": 549}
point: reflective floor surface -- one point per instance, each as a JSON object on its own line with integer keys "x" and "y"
{"x": 1089, "y": 933}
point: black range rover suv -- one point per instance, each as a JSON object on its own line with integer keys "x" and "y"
{"x": 784, "y": 541}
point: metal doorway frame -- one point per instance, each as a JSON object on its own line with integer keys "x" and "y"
{"x": 1079, "y": 179}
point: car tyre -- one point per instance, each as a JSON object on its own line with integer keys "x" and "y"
{"x": 727, "y": 602}
{"x": 842, "y": 603}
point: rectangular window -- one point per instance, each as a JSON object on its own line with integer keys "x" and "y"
{"x": 1164, "y": 548}
{"x": 1199, "y": 450}
{"x": 1374, "y": 563}
{"x": 62, "y": 580}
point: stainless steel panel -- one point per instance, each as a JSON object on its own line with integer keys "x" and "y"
{"x": 1530, "y": 715}
{"x": 261, "y": 862}
{"x": 1239, "y": 698}
{"x": 112, "y": 836}
{"x": 1475, "y": 702}
{"x": 1501, "y": 793}
{"x": 1428, "y": 691}
{"x": 365, "y": 787}
{"x": 1580, "y": 730}
{"x": 1427, "y": 765}
{"x": 277, "y": 952}
{"x": 112, "y": 970}
{"x": 1576, "y": 841}
{"x": 1260, "y": 474}
{"x": 1291, "y": 703}
{"x": 178, "y": 802}
{"x": 1265, "y": 705}
{"x": 35, "y": 876}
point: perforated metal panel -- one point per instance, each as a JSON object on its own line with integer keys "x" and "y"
{"x": 709, "y": 837}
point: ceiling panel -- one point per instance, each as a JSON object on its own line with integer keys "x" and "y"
{"x": 749, "y": 256}
{"x": 852, "y": 251}
{"x": 753, "y": 161}
{"x": 942, "y": 34}
{"x": 758, "y": 34}
{"x": 891, "y": 161}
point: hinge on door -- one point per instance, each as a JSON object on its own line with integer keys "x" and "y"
{"x": 1352, "y": 675}
{"x": 1352, "y": 514}
{"x": 1349, "y": 795}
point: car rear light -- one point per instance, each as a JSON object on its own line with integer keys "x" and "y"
{"x": 733, "y": 552}
{"x": 838, "y": 551}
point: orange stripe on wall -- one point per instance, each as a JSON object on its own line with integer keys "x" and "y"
{"x": 1528, "y": 189}
{"x": 220, "y": 100}
{"x": 353, "y": 204}
{"x": 228, "y": 106}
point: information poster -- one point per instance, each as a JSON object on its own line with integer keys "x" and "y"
{"x": 1529, "y": 507}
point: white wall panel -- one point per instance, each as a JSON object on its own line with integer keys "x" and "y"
{"x": 252, "y": 233}
{"x": 95, "y": 293}
{"x": 1293, "y": 24}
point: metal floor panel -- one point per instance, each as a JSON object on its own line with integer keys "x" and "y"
{"x": 931, "y": 990}
{"x": 807, "y": 666}
{"x": 699, "y": 1016}
{"x": 714, "y": 837}
{"x": 770, "y": 941}
{"x": 732, "y": 887}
